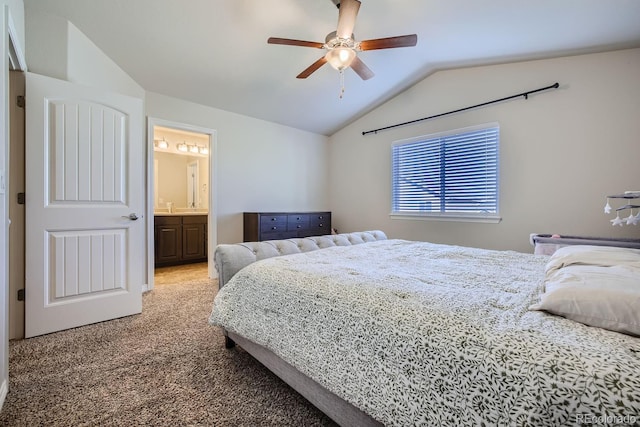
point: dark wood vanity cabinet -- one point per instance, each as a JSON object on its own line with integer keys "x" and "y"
{"x": 168, "y": 240}
{"x": 260, "y": 226}
{"x": 194, "y": 237}
{"x": 180, "y": 239}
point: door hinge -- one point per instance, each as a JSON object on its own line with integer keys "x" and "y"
{"x": 21, "y": 198}
{"x": 20, "y": 101}
{"x": 20, "y": 294}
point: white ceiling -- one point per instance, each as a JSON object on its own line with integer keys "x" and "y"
{"x": 215, "y": 52}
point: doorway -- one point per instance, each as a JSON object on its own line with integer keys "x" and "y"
{"x": 181, "y": 183}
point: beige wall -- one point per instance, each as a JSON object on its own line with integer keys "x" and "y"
{"x": 561, "y": 152}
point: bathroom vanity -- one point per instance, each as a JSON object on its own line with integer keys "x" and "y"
{"x": 180, "y": 238}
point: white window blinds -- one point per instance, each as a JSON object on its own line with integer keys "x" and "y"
{"x": 447, "y": 174}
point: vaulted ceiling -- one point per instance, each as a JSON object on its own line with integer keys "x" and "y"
{"x": 215, "y": 52}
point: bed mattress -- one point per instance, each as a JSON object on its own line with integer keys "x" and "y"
{"x": 415, "y": 333}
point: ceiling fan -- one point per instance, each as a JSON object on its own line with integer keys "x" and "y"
{"x": 341, "y": 45}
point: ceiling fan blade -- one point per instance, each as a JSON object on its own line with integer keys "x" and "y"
{"x": 361, "y": 69}
{"x": 389, "y": 42}
{"x": 292, "y": 42}
{"x": 311, "y": 68}
{"x": 347, "y": 18}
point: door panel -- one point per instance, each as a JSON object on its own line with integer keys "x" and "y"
{"x": 85, "y": 257}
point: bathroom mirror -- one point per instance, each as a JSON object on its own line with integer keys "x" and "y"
{"x": 180, "y": 182}
{"x": 193, "y": 201}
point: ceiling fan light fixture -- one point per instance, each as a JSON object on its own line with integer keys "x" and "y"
{"x": 340, "y": 57}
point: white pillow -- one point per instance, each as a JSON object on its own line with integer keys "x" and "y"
{"x": 605, "y": 297}
{"x": 605, "y": 256}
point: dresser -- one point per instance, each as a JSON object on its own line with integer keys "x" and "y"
{"x": 260, "y": 226}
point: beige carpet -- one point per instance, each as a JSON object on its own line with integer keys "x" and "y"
{"x": 165, "y": 367}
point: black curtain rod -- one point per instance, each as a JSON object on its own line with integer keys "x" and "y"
{"x": 525, "y": 94}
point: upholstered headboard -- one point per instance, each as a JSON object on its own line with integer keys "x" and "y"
{"x": 230, "y": 258}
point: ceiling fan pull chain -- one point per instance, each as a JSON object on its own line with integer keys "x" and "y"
{"x": 341, "y": 83}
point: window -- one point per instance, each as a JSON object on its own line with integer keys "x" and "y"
{"x": 450, "y": 175}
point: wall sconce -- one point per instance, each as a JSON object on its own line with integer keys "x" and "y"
{"x": 161, "y": 143}
{"x": 184, "y": 147}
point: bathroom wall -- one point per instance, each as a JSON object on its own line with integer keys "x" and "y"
{"x": 171, "y": 166}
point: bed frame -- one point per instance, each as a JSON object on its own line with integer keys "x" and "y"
{"x": 230, "y": 258}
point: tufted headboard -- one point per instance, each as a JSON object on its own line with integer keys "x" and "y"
{"x": 230, "y": 258}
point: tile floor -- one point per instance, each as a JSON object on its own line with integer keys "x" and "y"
{"x": 180, "y": 273}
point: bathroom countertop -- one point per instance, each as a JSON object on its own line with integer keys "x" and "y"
{"x": 180, "y": 213}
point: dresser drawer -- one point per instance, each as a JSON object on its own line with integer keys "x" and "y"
{"x": 297, "y": 222}
{"x": 322, "y": 220}
{"x": 266, "y": 220}
{"x": 320, "y": 230}
{"x": 278, "y": 235}
{"x": 271, "y": 223}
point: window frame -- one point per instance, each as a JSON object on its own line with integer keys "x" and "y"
{"x": 492, "y": 217}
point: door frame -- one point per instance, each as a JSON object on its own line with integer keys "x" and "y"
{"x": 12, "y": 59}
{"x": 212, "y": 233}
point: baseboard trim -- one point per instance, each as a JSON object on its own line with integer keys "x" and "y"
{"x": 3, "y": 392}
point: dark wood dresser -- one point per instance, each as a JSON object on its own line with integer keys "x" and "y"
{"x": 260, "y": 226}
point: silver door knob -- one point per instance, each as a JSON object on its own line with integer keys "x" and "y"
{"x": 132, "y": 216}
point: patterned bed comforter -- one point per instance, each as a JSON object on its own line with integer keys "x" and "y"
{"x": 415, "y": 333}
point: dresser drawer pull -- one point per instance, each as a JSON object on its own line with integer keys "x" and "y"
{"x": 274, "y": 228}
{"x": 321, "y": 225}
{"x": 320, "y": 217}
{"x": 299, "y": 226}
{"x": 274, "y": 218}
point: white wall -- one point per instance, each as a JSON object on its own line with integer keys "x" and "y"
{"x": 56, "y": 48}
{"x": 261, "y": 166}
{"x": 561, "y": 151}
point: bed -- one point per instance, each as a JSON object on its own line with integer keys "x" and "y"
{"x": 377, "y": 331}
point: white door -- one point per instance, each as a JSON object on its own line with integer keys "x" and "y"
{"x": 85, "y": 251}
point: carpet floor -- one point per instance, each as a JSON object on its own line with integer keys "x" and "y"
{"x": 164, "y": 367}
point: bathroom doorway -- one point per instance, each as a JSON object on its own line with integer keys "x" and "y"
{"x": 181, "y": 200}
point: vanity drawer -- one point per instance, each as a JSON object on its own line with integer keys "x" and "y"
{"x": 167, "y": 220}
{"x": 194, "y": 219}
